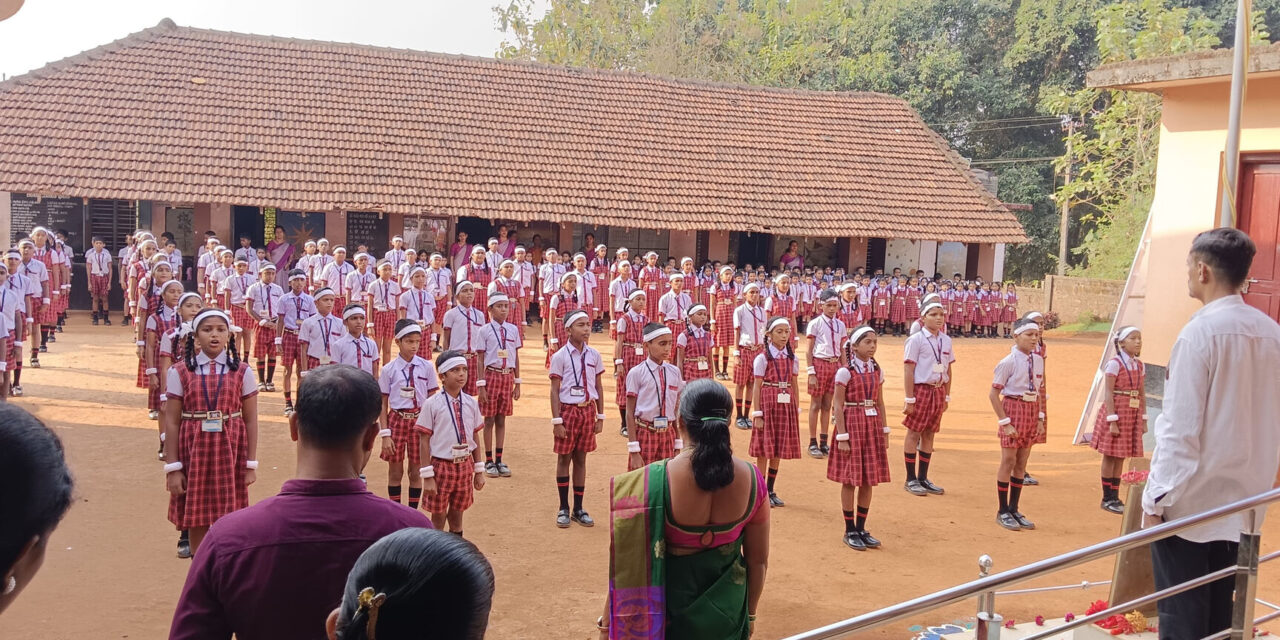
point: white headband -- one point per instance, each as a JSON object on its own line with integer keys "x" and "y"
{"x": 242, "y": 259}
{"x": 686, "y": 259}
{"x": 267, "y": 267}
{"x": 567, "y": 275}
{"x": 651, "y": 254}
{"x": 779, "y": 278}
{"x": 694, "y": 309}
{"x": 339, "y": 248}
{"x": 726, "y": 269}
{"x": 931, "y": 296}
{"x": 657, "y": 333}
{"x": 635, "y": 293}
{"x": 451, "y": 364}
{"x": 573, "y": 315}
{"x": 848, "y": 285}
{"x": 857, "y": 334}
{"x": 352, "y": 311}
{"x": 776, "y": 322}
{"x": 579, "y": 255}
{"x": 178, "y": 283}
{"x": 675, "y": 276}
{"x": 622, "y": 250}
{"x": 412, "y": 327}
{"x": 750, "y": 286}
{"x": 1034, "y": 315}
{"x": 189, "y": 294}
{"x": 477, "y": 249}
{"x": 600, "y": 246}
{"x": 297, "y": 276}
{"x": 363, "y": 255}
{"x": 465, "y": 284}
{"x": 322, "y": 292}
{"x": 507, "y": 262}
{"x": 929, "y": 307}
{"x": 211, "y": 313}
{"x": 309, "y": 243}
{"x": 436, "y": 255}
{"x": 416, "y": 270}
{"x": 1126, "y": 332}
{"x": 1025, "y": 328}
{"x": 397, "y": 238}
{"x": 498, "y": 297}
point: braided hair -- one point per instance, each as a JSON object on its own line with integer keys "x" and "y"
{"x": 791, "y": 353}
{"x": 189, "y": 346}
{"x": 849, "y": 353}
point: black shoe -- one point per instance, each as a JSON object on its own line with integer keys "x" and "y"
{"x": 775, "y": 501}
{"x": 854, "y": 541}
{"x": 95, "y": 320}
{"x": 1023, "y": 521}
{"x": 930, "y": 487}
{"x": 870, "y": 541}
{"x": 125, "y": 321}
{"x": 184, "y": 546}
{"x": 623, "y": 431}
{"x": 815, "y": 451}
{"x": 914, "y": 488}
{"x": 1113, "y": 505}
{"x": 44, "y": 348}
{"x": 582, "y": 518}
{"x": 744, "y": 424}
{"x": 826, "y": 451}
{"x": 562, "y": 518}
{"x": 106, "y": 320}
{"x": 1028, "y": 481}
{"x": 1006, "y": 520}
{"x": 490, "y": 469}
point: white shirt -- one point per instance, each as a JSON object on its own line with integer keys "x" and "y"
{"x": 496, "y": 338}
{"x": 1216, "y": 439}
{"x": 361, "y": 352}
{"x": 587, "y": 289}
{"x": 926, "y": 350}
{"x": 296, "y": 308}
{"x": 386, "y": 295}
{"x": 464, "y": 324}
{"x": 524, "y": 273}
{"x": 400, "y": 374}
{"x": 439, "y": 282}
{"x": 760, "y": 366}
{"x": 266, "y": 299}
{"x": 1013, "y": 374}
{"x": 439, "y": 420}
{"x": 175, "y": 262}
{"x": 843, "y": 376}
{"x": 620, "y": 288}
{"x": 395, "y": 257}
{"x": 549, "y": 274}
{"x": 672, "y": 306}
{"x": 575, "y": 368}
{"x": 99, "y": 261}
{"x": 320, "y": 332}
{"x": 334, "y": 276}
{"x": 357, "y": 283}
{"x": 751, "y": 322}
{"x": 828, "y": 336}
{"x": 642, "y": 384}
{"x": 173, "y": 386}
{"x": 238, "y": 285}
{"x": 682, "y": 338}
{"x": 418, "y": 304}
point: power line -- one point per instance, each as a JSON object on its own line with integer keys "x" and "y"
{"x": 1014, "y": 160}
{"x": 996, "y": 120}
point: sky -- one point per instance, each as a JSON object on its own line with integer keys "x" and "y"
{"x": 44, "y": 31}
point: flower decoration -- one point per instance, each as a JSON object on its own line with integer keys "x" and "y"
{"x": 1069, "y": 617}
{"x": 1039, "y": 621}
{"x": 1098, "y": 605}
{"x": 1008, "y": 624}
{"x": 1134, "y": 477}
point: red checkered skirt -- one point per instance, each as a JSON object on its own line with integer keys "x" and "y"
{"x": 780, "y": 436}
{"x": 404, "y": 439}
{"x": 970, "y": 310}
{"x": 212, "y": 462}
{"x": 825, "y": 372}
{"x": 474, "y": 371}
{"x": 898, "y": 308}
{"x": 676, "y": 327}
{"x": 580, "y": 430}
{"x": 1025, "y": 416}
{"x": 690, "y": 370}
{"x": 913, "y": 306}
{"x": 654, "y": 445}
{"x": 866, "y": 463}
{"x": 498, "y": 391}
{"x": 384, "y": 324}
{"x": 455, "y": 486}
{"x": 723, "y": 315}
{"x": 45, "y": 314}
{"x": 6, "y": 348}
{"x": 1009, "y": 312}
{"x": 241, "y": 317}
{"x": 289, "y": 354}
{"x": 880, "y": 308}
{"x": 1128, "y": 444}
{"x": 264, "y": 341}
{"x": 743, "y": 370}
{"x": 99, "y": 285}
{"x": 927, "y": 417}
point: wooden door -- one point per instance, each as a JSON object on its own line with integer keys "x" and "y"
{"x": 1259, "y": 216}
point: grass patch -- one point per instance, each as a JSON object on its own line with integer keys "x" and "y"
{"x": 1097, "y": 326}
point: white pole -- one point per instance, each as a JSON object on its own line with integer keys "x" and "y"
{"x": 1239, "y": 60}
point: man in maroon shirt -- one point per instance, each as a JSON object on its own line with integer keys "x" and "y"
{"x": 276, "y": 569}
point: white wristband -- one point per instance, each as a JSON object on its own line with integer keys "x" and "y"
{"x": 368, "y": 325}
{"x": 909, "y": 400}
{"x": 164, "y": 397}
{"x": 19, "y": 344}
{"x": 812, "y": 371}
{"x": 428, "y": 471}
{"x": 601, "y": 416}
{"x": 262, "y": 322}
{"x": 1002, "y": 422}
{"x": 479, "y": 467}
{"x": 617, "y": 360}
{"x": 173, "y": 466}
{"x": 303, "y": 374}
{"x": 480, "y": 383}
{"x": 557, "y": 421}
{"x": 555, "y": 341}
{"x": 1042, "y": 415}
{"x": 613, "y": 322}
{"x": 151, "y": 371}
{"x": 516, "y": 380}
{"x": 1113, "y": 418}
{"x": 142, "y": 343}
{"x": 948, "y": 399}
{"x": 757, "y": 414}
{"x": 385, "y": 433}
{"x": 56, "y": 292}
{"x": 251, "y": 465}
{"x": 842, "y": 437}
{"x": 31, "y": 320}
{"x": 633, "y": 447}
{"x": 279, "y": 341}
{"x": 679, "y": 443}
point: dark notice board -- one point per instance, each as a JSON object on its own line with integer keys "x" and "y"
{"x": 366, "y": 228}
{"x": 28, "y": 212}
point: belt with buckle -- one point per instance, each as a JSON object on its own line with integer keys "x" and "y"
{"x": 649, "y": 425}
{"x": 407, "y": 415}
{"x": 451, "y": 460}
{"x": 696, "y": 358}
{"x": 633, "y": 345}
{"x": 779, "y": 385}
{"x": 293, "y": 331}
{"x": 1133, "y": 393}
{"x": 205, "y": 415}
{"x": 500, "y": 370}
{"x": 1019, "y": 398}
{"x": 754, "y": 347}
{"x": 583, "y": 405}
{"x": 868, "y": 403}
{"x": 835, "y": 360}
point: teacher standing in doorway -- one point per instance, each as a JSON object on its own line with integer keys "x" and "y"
{"x": 791, "y": 259}
{"x": 280, "y": 250}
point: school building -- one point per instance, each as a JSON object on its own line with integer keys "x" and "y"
{"x": 185, "y": 130}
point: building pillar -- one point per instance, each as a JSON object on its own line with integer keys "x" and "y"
{"x": 220, "y": 222}
{"x": 718, "y": 246}
{"x": 928, "y": 257}
{"x": 158, "y": 218}
{"x": 682, "y": 244}
{"x": 855, "y": 254}
{"x": 335, "y": 229}
{"x": 998, "y": 267}
{"x": 6, "y": 217}
{"x": 986, "y": 261}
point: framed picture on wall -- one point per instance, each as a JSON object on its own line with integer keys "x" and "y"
{"x": 427, "y": 233}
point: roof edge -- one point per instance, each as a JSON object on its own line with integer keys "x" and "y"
{"x": 1145, "y": 73}
{"x": 165, "y": 25}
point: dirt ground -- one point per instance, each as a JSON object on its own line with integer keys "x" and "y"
{"x": 111, "y": 570}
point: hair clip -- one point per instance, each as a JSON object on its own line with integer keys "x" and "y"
{"x": 369, "y": 602}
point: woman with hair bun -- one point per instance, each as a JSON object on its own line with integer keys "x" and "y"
{"x": 704, "y": 507}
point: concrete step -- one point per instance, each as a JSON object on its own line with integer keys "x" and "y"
{"x": 958, "y": 631}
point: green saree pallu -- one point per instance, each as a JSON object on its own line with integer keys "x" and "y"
{"x": 653, "y": 596}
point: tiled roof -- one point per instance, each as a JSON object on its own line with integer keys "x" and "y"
{"x": 185, "y": 115}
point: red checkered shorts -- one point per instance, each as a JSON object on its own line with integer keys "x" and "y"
{"x": 473, "y": 373}
{"x": 264, "y": 341}
{"x": 404, "y": 438}
{"x": 866, "y": 463}
{"x": 289, "y": 354}
{"x": 825, "y": 372}
{"x": 1126, "y": 444}
{"x": 654, "y": 445}
{"x": 927, "y": 417}
{"x": 45, "y": 314}
{"x": 241, "y": 318}
{"x": 14, "y": 362}
{"x": 1025, "y": 416}
{"x": 580, "y": 430}
{"x": 99, "y": 285}
{"x": 743, "y": 369}
{"x": 7, "y": 352}
{"x": 780, "y": 436}
{"x": 442, "y": 306}
{"x": 384, "y": 324}
{"x": 499, "y": 388}
{"x": 455, "y": 486}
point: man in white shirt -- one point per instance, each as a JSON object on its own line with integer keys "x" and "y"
{"x": 1216, "y": 438}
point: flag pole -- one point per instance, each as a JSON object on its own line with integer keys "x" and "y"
{"x": 1239, "y": 70}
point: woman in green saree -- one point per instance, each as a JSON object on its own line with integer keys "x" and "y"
{"x": 689, "y": 536}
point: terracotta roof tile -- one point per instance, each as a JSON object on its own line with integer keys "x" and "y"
{"x": 188, "y": 115}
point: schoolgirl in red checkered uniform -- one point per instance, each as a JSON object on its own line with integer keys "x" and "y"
{"x": 560, "y": 305}
{"x": 478, "y": 273}
{"x": 149, "y": 303}
{"x": 850, "y": 313}
{"x": 970, "y": 300}
{"x": 953, "y": 307}
{"x": 694, "y": 345}
{"x": 982, "y": 322}
{"x": 462, "y": 326}
{"x": 783, "y": 303}
{"x": 211, "y": 428}
{"x": 47, "y": 315}
{"x": 628, "y": 348}
{"x": 928, "y": 357}
{"x": 673, "y": 307}
{"x": 20, "y": 290}
{"x": 898, "y": 306}
{"x": 1015, "y": 397}
{"x": 447, "y": 426}
{"x": 1009, "y": 308}
{"x": 619, "y": 291}
{"x": 407, "y": 382}
{"x": 653, "y": 281}
{"x": 139, "y": 267}
{"x": 826, "y": 335}
{"x": 880, "y": 298}
{"x": 775, "y": 433}
{"x": 500, "y": 387}
{"x": 1122, "y": 418}
{"x": 602, "y": 268}
{"x": 11, "y": 326}
{"x": 723, "y": 297}
{"x": 621, "y": 257}
{"x": 509, "y": 285}
{"x": 171, "y": 344}
{"x": 913, "y": 300}
{"x": 860, "y": 459}
{"x": 382, "y": 302}
{"x": 693, "y": 283}
{"x": 157, "y": 324}
{"x": 62, "y": 258}
{"x": 575, "y": 373}
{"x": 653, "y": 402}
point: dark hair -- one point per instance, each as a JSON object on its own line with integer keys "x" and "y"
{"x": 277, "y": 228}
{"x": 704, "y": 411}
{"x": 849, "y": 349}
{"x": 652, "y": 326}
{"x": 828, "y": 294}
{"x": 245, "y": 236}
{"x": 402, "y": 323}
{"x": 35, "y": 490}
{"x": 96, "y": 239}
{"x": 446, "y": 355}
{"x": 189, "y": 348}
{"x": 1228, "y": 252}
{"x": 295, "y": 272}
{"x": 430, "y": 582}
{"x": 336, "y": 404}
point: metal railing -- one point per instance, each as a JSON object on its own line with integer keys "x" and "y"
{"x": 985, "y": 587}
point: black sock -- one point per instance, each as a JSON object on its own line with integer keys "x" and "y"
{"x": 813, "y": 442}
{"x": 488, "y": 455}
{"x": 771, "y": 478}
{"x": 849, "y": 526}
{"x": 562, "y": 485}
{"x": 44, "y": 336}
{"x": 622, "y": 413}
{"x": 746, "y": 407}
{"x": 1115, "y": 488}
{"x": 577, "y": 497}
{"x": 1106, "y": 488}
{"x": 498, "y": 457}
{"x": 393, "y": 492}
{"x": 288, "y": 397}
{"x": 1002, "y": 490}
{"x": 822, "y": 440}
{"x": 415, "y": 497}
{"x": 924, "y": 465}
{"x": 861, "y": 524}
{"x": 1015, "y": 492}
{"x": 262, "y": 371}
{"x": 737, "y": 405}
{"x": 724, "y": 364}
{"x": 271, "y": 369}
{"x": 911, "y": 465}
{"x": 17, "y": 375}
{"x": 457, "y": 533}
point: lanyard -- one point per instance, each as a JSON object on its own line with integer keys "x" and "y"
{"x": 579, "y": 381}
{"x": 1031, "y": 372}
{"x": 831, "y": 325}
{"x": 386, "y": 293}
{"x": 937, "y": 352}
{"x": 325, "y": 333}
{"x": 757, "y": 321}
{"x": 408, "y": 376}
{"x": 210, "y": 403}
{"x": 421, "y": 304}
{"x": 783, "y": 374}
{"x": 662, "y": 387}
{"x": 456, "y": 419}
{"x": 270, "y": 309}
{"x": 1128, "y": 374}
{"x": 297, "y": 303}
{"x": 361, "y": 354}
{"x": 500, "y": 333}
{"x": 864, "y": 378}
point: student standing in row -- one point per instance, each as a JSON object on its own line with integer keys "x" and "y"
{"x": 500, "y": 388}
{"x": 295, "y": 307}
{"x": 382, "y": 298}
{"x": 928, "y": 357}
{"x": 826, "y": 335}
{"x": 318, "y": 333}
{"x": 1122, "y": 418}
{"x": 577, "y": 410}
{"x": 462, "y": 326}
{"x": 354, "y": 348}
{"x": 262, "y": 303}
{"x": 98, "y": 263}
{"x": 447, "y": 427}
{"x": 723, "y": 298}
{"x": 749, "y": 325}
{"x": 407, "y": 382}
{"x": 694, "y": 346}
{"x": 860, "y": 460}
{"x": 775, "y": 435}
{"x": 653, "y": 400}
{"x": 1015, "y": 397}
{"x": 628, "y": 349}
